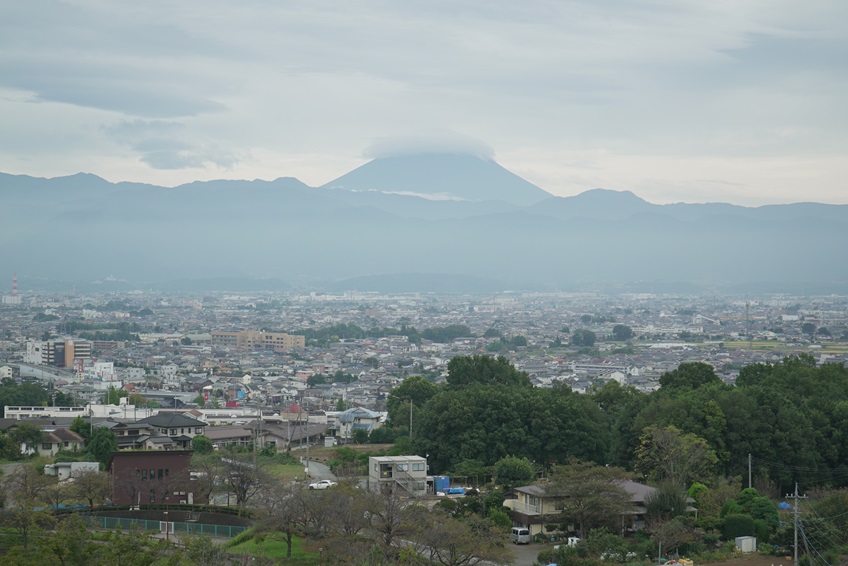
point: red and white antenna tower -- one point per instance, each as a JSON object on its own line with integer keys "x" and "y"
{"x": 14, "y": 284}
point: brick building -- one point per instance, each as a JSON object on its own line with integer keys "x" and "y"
{"x": 143, "y": 478}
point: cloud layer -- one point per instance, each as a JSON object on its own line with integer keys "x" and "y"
{"x": 617, "y": 94}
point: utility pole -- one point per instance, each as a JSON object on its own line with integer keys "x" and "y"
{"x": 410, "y": 419}
{"x": 796, "y": 513}
{"x": 307, "y": 444}
{"x": 749, "y": 470}
{"x": 257, "y": 431}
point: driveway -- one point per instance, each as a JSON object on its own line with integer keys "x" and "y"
{"x": 9, "y": 470}
{"x": 525, "y": 554}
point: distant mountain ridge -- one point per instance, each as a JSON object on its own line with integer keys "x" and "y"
{"x": 441, "y": 177}
{"x": 82, "y": 228}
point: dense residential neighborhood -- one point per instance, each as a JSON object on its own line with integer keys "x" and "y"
{"x": 318, "y": 350}
{"x": 564, "y": 417}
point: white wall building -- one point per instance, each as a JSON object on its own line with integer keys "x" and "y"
{"x": 131, "y": 412}
{"x": 101, "y": 371}
{"x": 33, "y": 352}
{"x": 132, "y": 374}
{"x": 404, "y": 475}
{"x": 66, "y": 470}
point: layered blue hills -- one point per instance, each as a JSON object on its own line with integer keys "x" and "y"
{"x": 428, "y": 222}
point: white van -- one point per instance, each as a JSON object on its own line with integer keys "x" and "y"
{"x": 520, "y": 535}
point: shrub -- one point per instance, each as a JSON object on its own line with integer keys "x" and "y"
{"x": 738, "y": 525}
{"x": 761, "y": 531}
{"x": 565, "y": 556}
{"x": 711, "y": 540}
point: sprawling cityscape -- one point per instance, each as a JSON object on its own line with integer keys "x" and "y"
{"x": 168, "y": 374}
{"x": 260, "y": 350}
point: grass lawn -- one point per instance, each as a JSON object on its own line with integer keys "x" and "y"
{"x": 324, "y": 453}
{"x": 285, "y": 472}
{"x": 8, "y": 538}
{"x": 275, "y": 549}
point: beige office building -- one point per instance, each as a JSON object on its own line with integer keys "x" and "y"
{"x": 258, "y": 340}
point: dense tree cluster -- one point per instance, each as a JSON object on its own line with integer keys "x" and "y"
{"x": 488, "y": 410}
{"x": 30, "y": 394}
{"x": 789, "y": 415}
{"x": 584, "y": 338}
{"x": 691, "y": 438}
{"x": 338, "y": 377}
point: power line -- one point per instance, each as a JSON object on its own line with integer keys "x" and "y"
{"x": 811, "y": 535}
{"x": 809, "y": 545}
{"x": 820, "y": 473}
{"x": 832, "y": 535}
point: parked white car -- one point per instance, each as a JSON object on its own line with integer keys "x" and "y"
{"x": 323, "y": 484}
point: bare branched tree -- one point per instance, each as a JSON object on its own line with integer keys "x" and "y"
{"x": 392, "y": 517}
{"x": 461, "y": 542}
{"x": 24, "y": 489}
{"x": 208, "y": 473}
{"x": 90, "y": 485}
{"x": 242, "y": 477}
{"x": 281, "y": 512}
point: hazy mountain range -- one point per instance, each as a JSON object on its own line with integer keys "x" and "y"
{"x": 419, "y": 222}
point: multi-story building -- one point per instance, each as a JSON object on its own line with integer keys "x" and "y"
{"x": 139, "y": 478}
{"x": 59, "y": 353}
{"x": 256, "y": 340}
{"x": 405, "y": 475}
{"x": 19, "y": 412}
{"x": 101, "y": 371}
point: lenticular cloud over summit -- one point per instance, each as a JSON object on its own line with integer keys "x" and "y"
{"x": 437, "y": 143}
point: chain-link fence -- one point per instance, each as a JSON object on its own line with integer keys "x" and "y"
{"x": 216, "y": 531}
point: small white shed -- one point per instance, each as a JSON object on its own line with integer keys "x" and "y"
{"x": 67, "y": 470}
{"x": 746, "y": 544}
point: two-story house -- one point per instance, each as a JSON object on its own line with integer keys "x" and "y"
{"x": 533, "y": 507}
{"x": 345, "y": 422}
{"x": 163, "y": 431}
{"x": 140, "y": 478}
{"x": 405, "y": 475}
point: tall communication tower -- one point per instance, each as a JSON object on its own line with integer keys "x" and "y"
{"x": 14, "y": 298}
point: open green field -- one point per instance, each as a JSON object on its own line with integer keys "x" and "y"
{"x": 276, "y": 549}
{"x": 323, "y": 453}
{"x": 285, "y": 472}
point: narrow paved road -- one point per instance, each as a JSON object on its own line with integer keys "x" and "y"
{"x": 319, "y": 471}
{"x": 525, "y": 554}
{"x": 8, "y": 470}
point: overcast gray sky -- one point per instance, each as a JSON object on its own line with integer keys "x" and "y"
{"x": 739, "y": 101}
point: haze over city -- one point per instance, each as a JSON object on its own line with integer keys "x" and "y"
{"x": 738, "y": 102}
{"x": 372, "y": 282}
